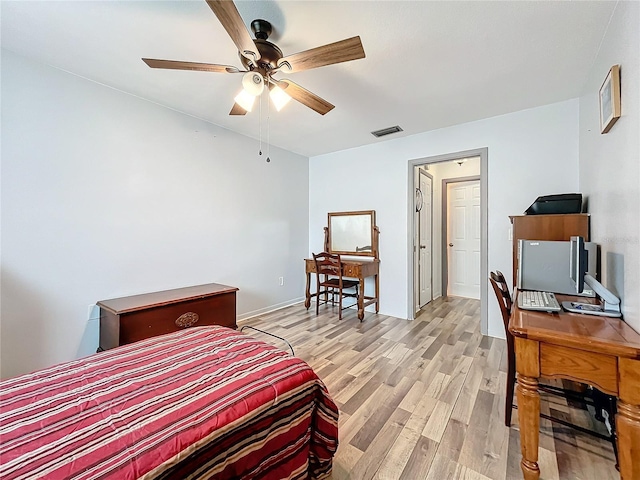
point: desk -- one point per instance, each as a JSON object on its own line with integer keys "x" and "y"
{"x": 601, "y": 351}
{"x": 359, "y": 269}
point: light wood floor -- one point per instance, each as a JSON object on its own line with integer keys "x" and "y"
{"x": 425, "y": 399}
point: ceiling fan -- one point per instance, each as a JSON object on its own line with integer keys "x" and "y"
{"x": 263, "y": 59}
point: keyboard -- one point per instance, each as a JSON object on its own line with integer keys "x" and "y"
{"x": 543, "y": 301}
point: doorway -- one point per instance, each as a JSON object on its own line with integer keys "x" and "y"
{"x": 461, "y": 199}
{"x": 450, "y": 167}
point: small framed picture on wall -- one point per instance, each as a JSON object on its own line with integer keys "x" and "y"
{"x": 610, "y": 99}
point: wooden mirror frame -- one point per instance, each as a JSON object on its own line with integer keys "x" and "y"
{"x": 373, "y": 252}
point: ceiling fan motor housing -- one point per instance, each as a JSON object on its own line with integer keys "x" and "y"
{"x": 270, "y": 53}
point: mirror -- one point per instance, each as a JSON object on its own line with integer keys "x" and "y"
{"x": 352, "y": 233}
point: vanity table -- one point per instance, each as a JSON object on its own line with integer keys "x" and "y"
{"x": 353, "y": 235}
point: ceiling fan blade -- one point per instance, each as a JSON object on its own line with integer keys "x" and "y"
{"x": 338, "y": 52}
{"x": 203, "y": 67}
{"x": 304, "y": 96}
{"x": 237, "y": 110}
{"x": 232, "y": 22}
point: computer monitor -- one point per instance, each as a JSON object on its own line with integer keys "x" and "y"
{"x": 578, "y": 264}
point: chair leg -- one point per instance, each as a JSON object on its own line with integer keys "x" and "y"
{"x": 612, "y": 409}
{"x": 508, "y": 404}
{"x": 317, "y": 302}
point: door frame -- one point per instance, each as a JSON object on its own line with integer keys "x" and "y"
{"x": 483, "y": 153}
{"x": 445, "y": 226}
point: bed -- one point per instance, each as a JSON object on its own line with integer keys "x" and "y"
{"x": 205, "y": 402}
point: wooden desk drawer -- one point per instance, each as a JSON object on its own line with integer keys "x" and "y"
{"x": 596, "y": 369}
{"x": 351, "y": 271}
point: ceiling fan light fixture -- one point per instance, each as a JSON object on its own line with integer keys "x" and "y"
{"x": 253, "y": 83}
{"x": 245, "y": 100}
{"x": 279, "y": 97}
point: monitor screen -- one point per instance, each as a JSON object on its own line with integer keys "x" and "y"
{"x": 578, "y": 262}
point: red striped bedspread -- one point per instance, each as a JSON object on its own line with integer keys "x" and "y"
{"x": 206, "y": 402}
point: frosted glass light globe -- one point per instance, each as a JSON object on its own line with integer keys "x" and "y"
{"x": 253, "y": 83}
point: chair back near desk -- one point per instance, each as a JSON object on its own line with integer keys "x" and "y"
{"x": 501, "y": 289}
{"x": 329, "y": 278}
{"x": 505, "y": 302}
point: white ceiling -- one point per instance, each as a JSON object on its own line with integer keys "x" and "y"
{"x": 428, "y": 64}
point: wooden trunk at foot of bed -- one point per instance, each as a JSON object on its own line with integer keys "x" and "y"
{"x": 130, "y": 319}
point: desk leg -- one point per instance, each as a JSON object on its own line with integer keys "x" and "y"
{"x": 628, "y": 431}
{"x": 529, "y": 416}
{"x": 307, "y": 300}
{"x": 361, "y": 300}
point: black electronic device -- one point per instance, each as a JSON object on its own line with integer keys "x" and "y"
{"x": 578, "y": 263}
{"x": 610, "y": 306}
{"x": 562, "y": 203}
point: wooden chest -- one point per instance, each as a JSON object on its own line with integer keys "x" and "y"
{"x": 129, "y": 319}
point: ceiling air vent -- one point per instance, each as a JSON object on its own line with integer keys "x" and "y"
{"x": 386, "y": 131}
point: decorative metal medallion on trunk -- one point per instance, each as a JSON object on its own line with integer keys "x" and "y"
{"x": 187, "y": 320}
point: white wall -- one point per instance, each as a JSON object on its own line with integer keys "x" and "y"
{"x": 106, "y": 195}
{"x": 610, "y": 163}
{"x": 531, "y": 152}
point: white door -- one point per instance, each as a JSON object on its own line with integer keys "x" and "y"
{"x": 424, "y": 240}
{"x": 463, "y": 238}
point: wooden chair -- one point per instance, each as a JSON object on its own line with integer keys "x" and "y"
{"x": 329, "y": 280}
{"x": 501, "y": 289}
{"x": 591, "y": 396}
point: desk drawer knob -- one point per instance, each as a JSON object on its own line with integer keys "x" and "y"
{"x": 187, "y": 320}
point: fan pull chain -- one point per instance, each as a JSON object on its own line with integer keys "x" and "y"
{"x": 268, "y": 130}
{"x": 260, "y": 126}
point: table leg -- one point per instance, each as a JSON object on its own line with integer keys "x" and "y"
{"x": 628, "y": 431}
{"x": 529, "y": 416}
{"x": 307, "y": 300}
{"x": 377, "y": 293}
{"x": 361, "y": 300}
